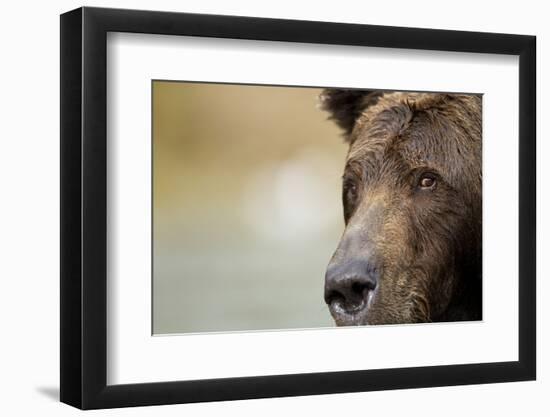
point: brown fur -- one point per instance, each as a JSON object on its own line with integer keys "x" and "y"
{"x": 423, "y": 243}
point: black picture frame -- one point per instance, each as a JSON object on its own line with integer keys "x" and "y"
{"x": 84, "y": 207}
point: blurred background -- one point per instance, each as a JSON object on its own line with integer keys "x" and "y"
{"x": 246, "y": 207}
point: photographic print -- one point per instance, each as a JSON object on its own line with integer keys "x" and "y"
{"x": 280, "y": 189}
{"x": 280, "y": 207}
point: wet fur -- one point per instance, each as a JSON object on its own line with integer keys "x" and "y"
{"x": 427, "y": 243}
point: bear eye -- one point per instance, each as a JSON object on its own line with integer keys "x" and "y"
{"x": 350, "y": 190}
{"x": 349, "y": 198}
{"x": 427, "y": 181}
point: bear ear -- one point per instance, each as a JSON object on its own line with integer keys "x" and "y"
{"x": 345, "y": 105}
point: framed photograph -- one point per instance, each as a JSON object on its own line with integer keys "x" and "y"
{"x": 257, "y": 208}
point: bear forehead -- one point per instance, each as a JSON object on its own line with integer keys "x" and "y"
{"x": 418, "y": 127}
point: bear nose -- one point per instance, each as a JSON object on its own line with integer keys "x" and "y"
{"x": 349, "y": 283}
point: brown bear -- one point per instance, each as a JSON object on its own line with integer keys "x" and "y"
{"x": 411, "y": 248}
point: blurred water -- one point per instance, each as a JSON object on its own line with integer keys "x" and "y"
{"x": 246, "y": 207}
{"x": 256, "y": 288}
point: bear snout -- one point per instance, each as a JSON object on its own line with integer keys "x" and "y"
{"x": 349, "y": 289}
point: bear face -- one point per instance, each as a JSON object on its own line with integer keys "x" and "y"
{"x": 411, "y": 248}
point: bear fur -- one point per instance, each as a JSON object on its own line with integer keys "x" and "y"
{"x": 412, "y": 195}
